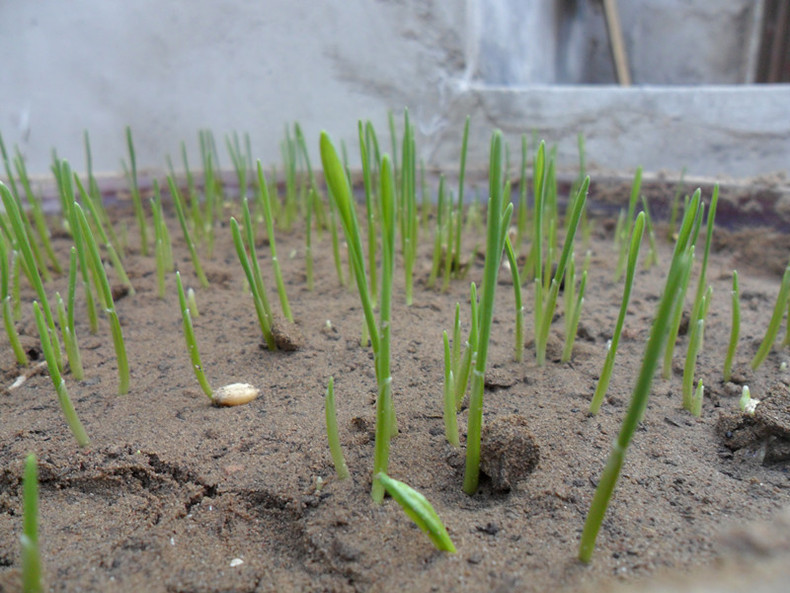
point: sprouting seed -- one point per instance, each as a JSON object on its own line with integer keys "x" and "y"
{"x": 235, "y": 394}
{"x": 748, "y": 404}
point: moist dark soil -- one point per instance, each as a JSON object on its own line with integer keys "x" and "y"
{"x": 174, "y": 494}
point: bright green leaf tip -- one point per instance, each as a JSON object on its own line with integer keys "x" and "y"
{"x": 417, "y": 507}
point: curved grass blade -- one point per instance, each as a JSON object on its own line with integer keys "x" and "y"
{"x": 417, "y": 507}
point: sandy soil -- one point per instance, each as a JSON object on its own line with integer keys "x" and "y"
{"x": 172, "y": 491}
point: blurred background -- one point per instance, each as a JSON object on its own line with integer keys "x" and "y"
{"x": 690, "y": 90}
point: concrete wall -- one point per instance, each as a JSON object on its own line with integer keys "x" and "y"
{"x": 171, "y": 68}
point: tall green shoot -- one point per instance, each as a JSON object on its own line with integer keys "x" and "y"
{"x": 636, "y": 409}
{"x": 265, "y": 199}
{"x": 776, "y": 320}
{"x": 135, "y": 190}
{"x": 332, "y": 433}
{"x": 611, "y": 353}
{"x": 102, "y": 285}
{"x": 189, "y": 337}
{"x": 498, "y": 224}
{"x": 57, "y": 379}
{"x": 340, "y": 191}
{"x": 735, "y": 328}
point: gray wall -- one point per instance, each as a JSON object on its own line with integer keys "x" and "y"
{"x": 171, "y": 68}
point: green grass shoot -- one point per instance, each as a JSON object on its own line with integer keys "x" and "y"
{"x": 573, "y": 313}
{"x": 163, "y": 250}
{"x": 37, "y": 210}
{"x": 332, "y": 432}
{"x": 629, "y": 222}
{"x": 417, "y": 507}
{"x": 498, "y": 224}
{"x": 189, "y": 337}
{"x": 469, "y": 357}
{"x": 175, "y": 195}
{"x": 8, "y": 314}
{"x": 636, "y": 409}
{"x": 338, "y": 184}
{"x": 28, "y": 262}
{"x": 255, "y": 281}
{"x": 449, "y": 412}
{"x": 102, "y": 285}
{"x": 773, "y": 325}
{"x": 695, "y": 344}
{"x": 673, "y": 216}
{"x": 518, "y": 346}
{"x": 685, "y": 243}
{"x": 547, "y": 307}
{"x": 66, "y": 320}
{"x": 606, "y": 373}
{"x": 57, "y": 379}
{"x": 31, "y": 556}
{"x": 265, "y": 199}
{"x": 459, "y": 211}
{"x": 407, "y": 211}
{"x": 735, "y": 328}
{"x": 104, "y": 237}
{"x": 137, "y": 201}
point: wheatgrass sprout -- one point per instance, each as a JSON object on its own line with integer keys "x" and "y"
{"x": 498, "y": 224}
{"x": 450, "y": 420}
{"x": 189, "y": 337}
{"x": 469, "y": 358}
{"x": 574, "y": 314}
{"x": 23, "y": 245}
{"x": 522, "y": 213}
{"x": 137, "y": 201}
{"x": 419, "y": 510}
{"x": 175, "y": 195}
{"x": 695, "y": 344}
{"x": 37, "y": 210}
{"x": 673, "y": 217}
{"x": 367, "y": 177}
{"x": 629, "y": 221}
{"x": 518, "y": 347}
{"x": 407, "y": 210}
{"x": 159, "y": 245}
{"x": 460, "y": 208}
{"x": 339, "y": 189}
{"x": 747, "y": 404}
{"x": 240, "y": 160}
{"x": 69, "y": 341}
{"x": 608, "y": 366}
{"x": 57, "y": 379}
{"x": 8, "y": 315}
{"x": 267, "y": 214}
{"x": 97, "y": 216}
{"x": 652, "y": 254}
{"x": 775, "y": 322}
{"x": 253, "y": 273}
{"x": 12, "y": 333}
{"x": 105, "y": 296}
{"x": 332, "y": 433}
{"x": 31, "y": 556}
{"x": 97, "y": 204}
{"x": 547, "y": 307}
{"x": 735, "y": 328}
{"x": 637, "y": 407}
{"x": 689, "y": 227}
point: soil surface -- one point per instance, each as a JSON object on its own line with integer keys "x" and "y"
{"x": 174, "y": 494}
